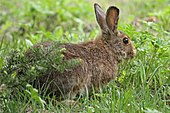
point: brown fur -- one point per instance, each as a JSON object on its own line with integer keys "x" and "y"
{"x": 99, "y": 58}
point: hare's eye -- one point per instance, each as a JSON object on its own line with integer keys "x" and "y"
{"x": 125, "y": 40}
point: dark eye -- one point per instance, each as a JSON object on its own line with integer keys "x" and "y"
{"x": 125, "y": 40}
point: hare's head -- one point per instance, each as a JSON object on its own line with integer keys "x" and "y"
{"x": 116, "y": 40}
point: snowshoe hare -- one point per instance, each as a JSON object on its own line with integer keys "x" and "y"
{"x": 99, "y": 58}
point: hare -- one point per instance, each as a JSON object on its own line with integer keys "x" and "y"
{"x": 99, "y": 58}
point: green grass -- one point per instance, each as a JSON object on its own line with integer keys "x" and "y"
{"x": 143, "y": 85}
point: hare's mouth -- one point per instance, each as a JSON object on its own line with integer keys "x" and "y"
{"x": 131, "y": 54}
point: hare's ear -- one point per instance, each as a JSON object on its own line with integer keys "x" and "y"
{"x": 112, "y": 17}
{"x": 100, "y": 17}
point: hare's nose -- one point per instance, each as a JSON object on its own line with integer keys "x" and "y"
{"x": 134, "y": 52}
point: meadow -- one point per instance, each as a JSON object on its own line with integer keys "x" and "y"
{"x": 143, "y": 83}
